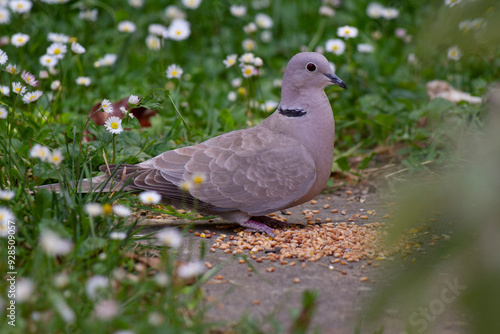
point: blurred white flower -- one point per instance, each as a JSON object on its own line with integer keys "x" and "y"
{"x": 3, "y": 57}
{"x": 326, "y": 11}
{"x": 238, "y": 11}
{"x": 374, "y": 10}
{"x": 191, "y": 4}
{"x": 155, "y": 319}
{"x": 121, "y": 211}
{"x": 4, "y": 16}
{"x": 150, "y": 197}
{"x": 114, "y": 125}
{"x": 61, "y": 280}
{"x": 153, "y": 42}
{"x": 162, "y": 279}
{"x": 18, "y": 88}
{"x": 179, "y": 30}
{"x": 64, "y": 310}
{"x": 400, "y": 32}
{"x": 118, "y": 235}
{"x": 412, "y": 59}
{"x": 57, "y": 37}
{"x": 12, "y": 69}
{"x": 56, "y": 157}
{"x": 269, "y": 106}
{"x": 347, "y": 32}
{"x": 136, "y": 3}
{"x": 248, "y": 44}
{"x": 6, "y": 195}
{"x": 94, "y": 284}
{"x": 6, "y": 215}
{"x": 186, "y": 185}
{"x": 55, "y": 85}
{"x": 88, "y": 14}
{"x": 258, "y": 62}
{"x": 106, "y": 309}
{"x": 250, "y": 28}
{"x": 19, "y": 39}
{"x": 77, "y": 48}
{"x": 230, "y": 60}
{"x": 264, "y": 21}
{"x": 337, "y": 46}
{"x": 173, "y": 12}
{"x": 231, "y": 96}
{"x": 365, "y": 48}
{"x": 40, "y": 152}
{"x": 247, "y": 58}
{"x": 390, "y": 13}
{"x": 174, "y": 71}
{"x": 29, "y": 78}
{"x": 248, "y": 70}
{"x": 451, "y": 3}
{"x": 25, "y": 289}
{"x": 5, "y": 90}
{"x": 157, "y": 29}
{"x": 94, "y": 209}
{"x": 109, "y": 59}
{"x": 134, "y": 99}
{"x": 20, "y": 6}
{"x": 53, "y": 245}
{"x": 43, "y": 74}
{"x": 190, "y": 269}
{"x": 236, "y": 82}
{"x": 48, "y": 61}
{"x": 126, "y": 26}
{"x": 477, "y": 24}
{"x": 454, "y": 53}
{"x": 57, "y": 50}
{"x": 106, "y": 106}
{"x": 83, "y": 81}
{"x": 170, "y": 237}
{"x": 266, "y": 36}
{"x": 32, "y": 96}
{"x": 3, "y": 113}
{"x": 198, "y": 179}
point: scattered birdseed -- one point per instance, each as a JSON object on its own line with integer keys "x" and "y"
{"x": 363, "y": 279}
{"x": 296, "y": 280}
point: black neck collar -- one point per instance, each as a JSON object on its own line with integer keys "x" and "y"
{"x": 292, "y": 112}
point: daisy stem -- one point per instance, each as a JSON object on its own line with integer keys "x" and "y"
{"x": 114, "y": 149}
{"x": 317, "y": 35}
{"x": 91, "y": 220}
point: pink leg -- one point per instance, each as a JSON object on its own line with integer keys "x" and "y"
{"x": 255, "y": 226}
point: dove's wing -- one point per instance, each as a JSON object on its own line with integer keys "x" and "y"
{"x": 253, "y": 170}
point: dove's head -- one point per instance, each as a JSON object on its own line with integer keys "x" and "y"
{"x": 310, "y": 69}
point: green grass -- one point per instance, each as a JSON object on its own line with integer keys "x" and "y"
{"x": 382, "y": 106}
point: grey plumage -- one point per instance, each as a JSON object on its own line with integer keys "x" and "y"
{"x": 282, "y": 162}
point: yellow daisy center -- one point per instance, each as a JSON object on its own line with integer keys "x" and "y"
{"x": 20, "y": 5}
{"x": 347, "y": 31}
{"x": 57, "y": 51}
{"x": 107, "y": 208}
{"x": 17, "y": 89}
{"x": 20, "y": 39}
{"x": 248, "y": 71}
{"x": 32, "y": 97}
{"x": 114, "y": 125}
{"x": 174, "y": 72}
{"x": 55, "y": 158}
{"x": 198, "y": 179}
{"x": 178, "y": 32}
{"x": 335, "y": 47}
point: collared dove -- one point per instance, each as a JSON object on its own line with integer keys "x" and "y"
{"x": 284, "y": 161}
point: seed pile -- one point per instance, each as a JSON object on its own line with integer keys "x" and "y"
{"x": 347, "y": 242}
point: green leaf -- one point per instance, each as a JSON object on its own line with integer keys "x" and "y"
{"x": 90, "y": 246}
{"x": 385, "y": 120}
{"x": 343, "y": 163}
{"x": 226, "y": 119}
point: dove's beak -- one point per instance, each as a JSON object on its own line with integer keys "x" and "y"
{"x": 335, "y": 80}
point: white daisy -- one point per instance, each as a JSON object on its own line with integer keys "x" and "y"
{"x": 179, "y": 30}
{"x": 48, "y": 61}
{"x": 162, "y": 279}
{"x": 107, "y": 309}
{"x": 108, "y": 60}
{"x": 248, "y": 70}
{"x": 191, "y": 269}
{"x": 43, "y": 74}
{"x": 56, "y": 157}
{"x": 32, "y": 96}
{"x": 390, "y": 13}
{"x": 25, "y": 289}
{"x": 326, "y": 11}
{"x": 136, "y": 3}
{"x": 264, "y": 21}
{"x": 3, "y": 57}
{"x": 6, "y": 215}
{"x": 173, "y": 12}
{"x": 170, "y": 237}
{"x": 126, "y": 26}
{"x": 53, "y": 244}
{"x": 134, "y": 99}
{"x": 451, "y": 3}
{"x": 258, "y": 62}
{"x": 374, "y": 10}
{"x": 236, "y": 82}
{"x": 230, "y": 60}
{"x": 250, "y": 28}
{"x": 191, "y": 4}
{"x": 365, "y": 48}
{"x": 266, "y": 36}
{"x": 121, "y": 211}
{"x": 106, "y": 106}
{"x": 347, "y": 32}
{"x": 454, "y": 53}
{"x": 150, "y": 197}
{"x": 157, "y": 29}
{"x": 29, "y": 78}
{"x": 3, "y": 113}
{"x": 153, "y": 43}
{"x": 12, "y": 69}
{"x": 118, "y": 235}
{"x": 83, "y": 81}
{"x": 94, "y": 209}
{"x": 232, "y": 96}
{"x": 57, "y": 37}
{"x": 174, "y": 71}
{"x": 4, "y": 16}
{"x": 58, "y": 50}
{"x": 114, "y": 125}
{"x": 41, "y": 152}
{"x": 77, "y": 48}
{"x": 247, "y": 58}
{"x": 94, "y": 284}
{"x": 88, "y": 14}
{"x": 238, "y": 11}
{"x": 55, "y": 85}
{"x": 7, "y": 195}
{"x": 269, "y": 106}
{"x": 5, "y": 90}
{"x": 61, "y": 280}
{"x": 20, "y": 6}
{"x": 18, "y": 88}
{"x": 336, "y": 46}
{"x": 19, "y": 39}
{"x": 248, "y": 44}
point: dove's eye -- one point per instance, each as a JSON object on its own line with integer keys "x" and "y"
{"x": 311, "y": 67}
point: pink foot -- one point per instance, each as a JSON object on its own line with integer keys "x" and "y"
{"x": 255, "y": 226}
